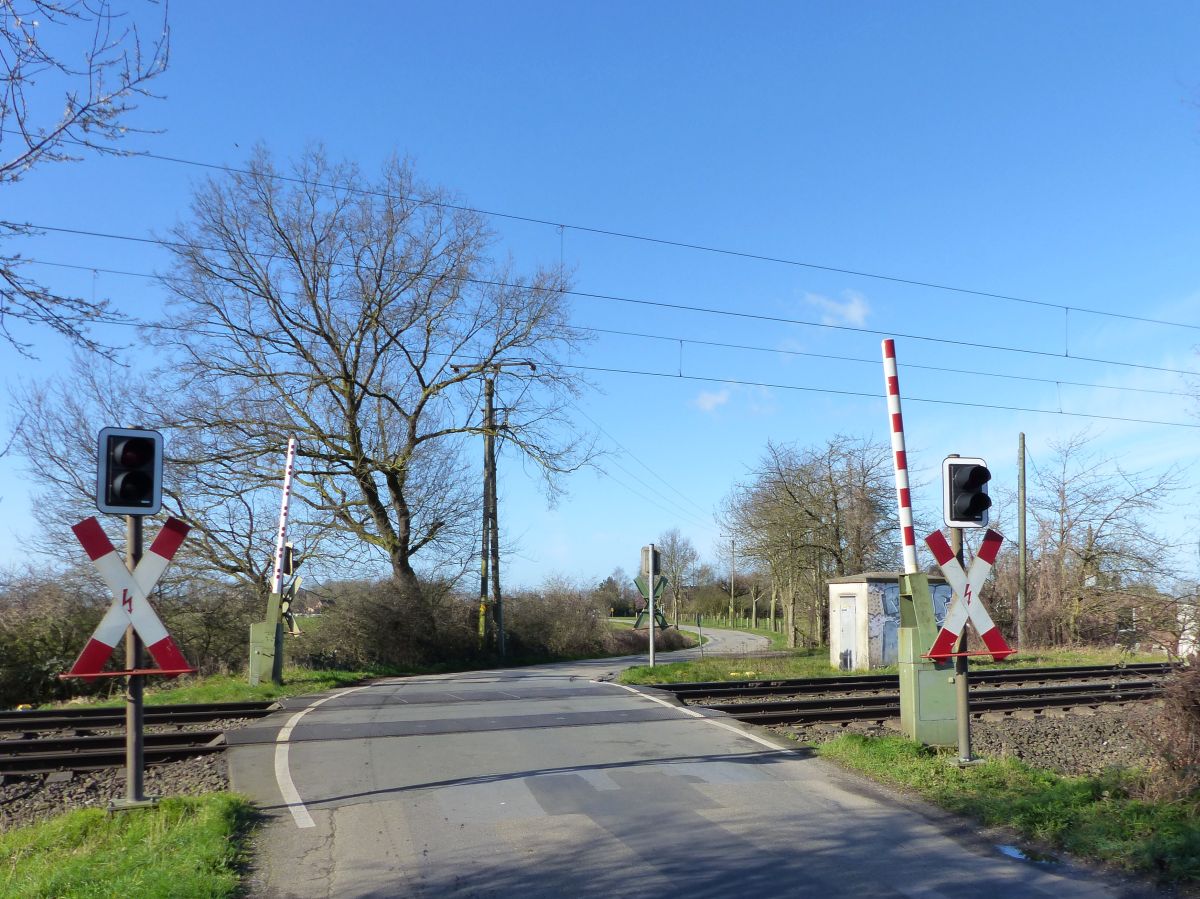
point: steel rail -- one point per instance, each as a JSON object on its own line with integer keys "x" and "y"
{"x": 878, "y": 708}
{"x": 89, "y": 753}
{"x": 84, "y": 718}
{"x": 865, "y": 683}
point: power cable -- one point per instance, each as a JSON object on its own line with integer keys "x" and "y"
{"x": 635, "y": 458}
{"x": 675, "y": 513}
{"x": 875, "y": 362}
{"x": 734, "y": 346}
{"x": 483, "y": 282}
{"x": 801, "y": 387}
{"x": 857, "y": 393}
{"x": 677, "y": 244}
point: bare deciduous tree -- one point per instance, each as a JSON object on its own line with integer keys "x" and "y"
{"x": 679, "y": 557}
{"x": 1096, "y": 553}
{"x": 362, "y": 317}
{"x": 808, "y": 515}
{"x": 74, "y": 71}
{"x": 230, "y": 498}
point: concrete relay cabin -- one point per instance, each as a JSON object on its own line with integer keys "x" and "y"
{"x": 864, "y": 618}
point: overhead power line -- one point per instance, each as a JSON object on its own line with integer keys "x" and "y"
{"x": 667, "y": 242}
{"x": 635, "y": 458}
{"x": 739, "y": 382}
{"x": 707, "y": 310}
{"x": 879, "y": 395}
{"x": 956, "y": 371}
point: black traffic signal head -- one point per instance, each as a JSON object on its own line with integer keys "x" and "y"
{"x": 965, "y": 500}
{"x": 129, "y": 473}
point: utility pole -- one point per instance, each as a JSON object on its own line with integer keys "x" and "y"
{"x": 489, "y": 428}
{"x": 489, "y": 555}
{"x": 489, "y": 442}
{"x": 1021, "y": 584}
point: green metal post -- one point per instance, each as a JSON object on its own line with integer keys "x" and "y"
{"x": 927, "y": 710}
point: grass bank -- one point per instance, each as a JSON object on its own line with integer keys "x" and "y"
{"x": 235, "y": 688}
{"x": 90, "y": 853}
{"x": 1098, "y": 818}
{"x": 802, "y": 663}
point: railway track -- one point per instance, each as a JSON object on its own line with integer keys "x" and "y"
{"x": 90, "y": 717}
{"x": 64, "y": 739}
{"x": 701, "y": 692}
{"x": 877, "y": 698}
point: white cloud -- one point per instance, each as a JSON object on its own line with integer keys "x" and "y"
{"x": 851, "y": 310}
{"x": 707, "y": 402}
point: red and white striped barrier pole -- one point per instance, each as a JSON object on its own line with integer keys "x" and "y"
{"x": 288, "y": 468}
{"x": 899, "y": 457}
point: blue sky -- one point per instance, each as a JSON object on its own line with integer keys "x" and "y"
{"x": 1048, "y": 152}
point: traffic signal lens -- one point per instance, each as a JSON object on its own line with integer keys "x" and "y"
{"x": 133, "y": 452}
{"x": 133, "y": 487}
{"x": 971, "y": 505}
{"x": 971, "y": 477}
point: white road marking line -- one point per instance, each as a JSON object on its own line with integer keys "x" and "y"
{"x": 283, "y": 774}
{"x": 762, "y": 741}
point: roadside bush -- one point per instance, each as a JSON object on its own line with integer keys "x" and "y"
{"x": 211, "y": 622}
{"x": 630, "y": 642}
{"x": 377, "y": 623}
{"x": 558, "y": 620}
{"x": 1176, "y": 738}
{"x": 44, "y": 624}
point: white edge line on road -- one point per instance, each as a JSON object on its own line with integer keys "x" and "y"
{"x": 283, "y": 774}
{"x": 762, "y": 741}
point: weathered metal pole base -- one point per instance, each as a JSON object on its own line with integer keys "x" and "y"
{"x": 927, "y": 699}
{"x": 124, "y": 805}
{"x": 968, "y": 763}
{"x": 263, "y": 643}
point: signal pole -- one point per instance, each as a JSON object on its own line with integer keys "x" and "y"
{"x": 732, "y": 570}
{"x": 135, "y": 768}
{"x": 962, "y": 690}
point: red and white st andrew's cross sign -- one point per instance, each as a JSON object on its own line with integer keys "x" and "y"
{"x": 130, "y": 605}
{"x": 966, "y": 603}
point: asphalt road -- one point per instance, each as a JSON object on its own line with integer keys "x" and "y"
{"x": 552, "y": 782}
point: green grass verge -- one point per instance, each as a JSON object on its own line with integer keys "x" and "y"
{"x": 802, "y": 663}
{"x": 182, "y": 848}
{"x": 815, "y": 663}
{"x": 1091, "y": 817}
{"x": 235, "y": 688}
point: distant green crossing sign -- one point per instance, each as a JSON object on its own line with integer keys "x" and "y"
{"x": 660, "y": 585}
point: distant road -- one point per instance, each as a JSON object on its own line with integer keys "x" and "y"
{"x": 725, "y": 642}
{"x": 543, "y": 782}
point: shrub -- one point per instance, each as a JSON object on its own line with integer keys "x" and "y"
{"x": 44, "y": 624}
{"x": 379, "y": 624}
{"x": 1175, "y": 737}
{"x": 558, "y": 620}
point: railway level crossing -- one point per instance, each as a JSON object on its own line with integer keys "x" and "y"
{"x": 933, "y": 682}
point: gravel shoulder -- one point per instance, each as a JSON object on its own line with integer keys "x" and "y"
{"x": 1080, "y": 742}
